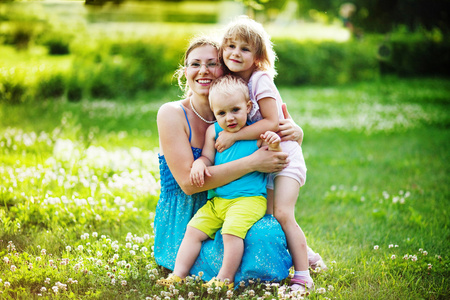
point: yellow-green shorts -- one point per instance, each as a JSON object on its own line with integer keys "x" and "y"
{"x": 234, "y": 216}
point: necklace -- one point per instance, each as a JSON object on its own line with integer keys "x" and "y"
{"x": 198, "y": 115}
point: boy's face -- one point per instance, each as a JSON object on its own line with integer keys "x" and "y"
{"x": 231, "y": 111}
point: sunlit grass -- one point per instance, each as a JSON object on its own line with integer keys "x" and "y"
{"x": 80, "y": 184}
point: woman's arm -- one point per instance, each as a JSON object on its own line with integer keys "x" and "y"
{"x": 174, "y": 143}
{"x": 289, "y": 130}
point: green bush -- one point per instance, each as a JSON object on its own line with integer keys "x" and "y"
{"x": 13, "y": 88}
{"x": 50, "y": 85}
{"x": 123, "y": 68}
{"x": 74, "y": 88}
{"x": 58, "y": 43}
{"x": 305, "y": 62}
{"x": 416, "y": 54}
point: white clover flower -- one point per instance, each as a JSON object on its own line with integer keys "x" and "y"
{"x": 80, "y": 248}
{"x": 123, "y": 282}
{"x": 68, "y": 248}
{"x": 393, "y": 257}
{"x": 13, "y": 268}
{"x": 321, "y": 290}
{"x": 43, "y": 289}
{"x": 135, "y": 247}
{"x": 43, "y": 252}
{"x": 113, "y": 281}
{"x": 331, "y": 288}
{"x": 116, "y": 256}
{"x": 132, "y": 252}
{"x": 430, "y": 266}
{"x": 391, "y": 246}
{"x": 425, "y": 252}
{"x": 99, "y": 253}
{"x": 128, "y": 245}
{"x": 47, "y": 281}
{"x": 146, "y": 236}
{"x": 7, "y": 284}
{"x": 144, "y": 249}
{"x": 210, "y": 290}
{"x": 406, "y": 256}
{"x": 375, "y": 247}
{"x": 229, "y": 293}
{"x": 191, "y": 295}
{"x": 94, "y": 234}
{"x": 414, "y": 258}
{"x": 6, "y": 259}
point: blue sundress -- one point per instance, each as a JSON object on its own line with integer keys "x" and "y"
{"x": 265, "y": 248}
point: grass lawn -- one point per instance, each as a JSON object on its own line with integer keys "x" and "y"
{"x": 79, "y": 187}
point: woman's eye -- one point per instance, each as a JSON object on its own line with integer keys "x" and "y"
{"x": 195, "y": 65}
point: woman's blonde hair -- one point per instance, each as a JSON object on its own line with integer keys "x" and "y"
{"x": 254, "y": 34}
{"x": 196, "y": 42}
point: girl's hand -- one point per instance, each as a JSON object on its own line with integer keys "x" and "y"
{"x": 266, "y": 161}
{"x": 289, "y": 130}
{"x": 224, "y": 141}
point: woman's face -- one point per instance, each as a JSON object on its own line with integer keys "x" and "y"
{"x": 202, "y": 69}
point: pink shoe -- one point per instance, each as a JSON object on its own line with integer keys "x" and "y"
{"x": 316, "y": 261}
{"x": 301, "y": 287}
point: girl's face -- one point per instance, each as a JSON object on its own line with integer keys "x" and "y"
{"x": 240, "y": 58}
{"x": 202, "y": 69}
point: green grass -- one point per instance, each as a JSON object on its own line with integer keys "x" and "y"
{"x": 378, "y": 165}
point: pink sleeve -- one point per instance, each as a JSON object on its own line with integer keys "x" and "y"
{"x": 264, "y": 87}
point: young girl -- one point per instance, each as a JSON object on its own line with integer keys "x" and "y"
{"x": 247, "y": 52}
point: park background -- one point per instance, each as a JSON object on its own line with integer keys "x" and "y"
{"x": 80, "y": 85}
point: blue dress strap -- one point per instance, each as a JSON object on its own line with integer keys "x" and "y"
{"x": 185, "y": 114}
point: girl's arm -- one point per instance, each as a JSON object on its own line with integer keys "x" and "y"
{"x": 174, "y": 143}
{"x": 269, "y": 112}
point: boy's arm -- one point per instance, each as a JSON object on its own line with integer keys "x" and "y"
{"x": 199, "y": 167}
{"x": 270, "y": 121}
{"x": 271, "y": 139}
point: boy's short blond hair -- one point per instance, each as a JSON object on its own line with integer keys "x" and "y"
{"x": 254, "y": 34}
{"x": 228, "y": 85}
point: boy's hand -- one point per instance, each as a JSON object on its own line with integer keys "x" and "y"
{"x": 198, "y": 172}
{"x": 272, "y": 139}
{"x": 224, "y": 141}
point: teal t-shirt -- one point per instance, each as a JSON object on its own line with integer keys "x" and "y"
{"x": 251, "y": 184}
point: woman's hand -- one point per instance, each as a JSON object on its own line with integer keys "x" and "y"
{"x": 266, "y": 161}
{"x": 289, "y": 130}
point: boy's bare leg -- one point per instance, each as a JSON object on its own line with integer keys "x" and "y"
{"x": 233, "y": 251}
{"x": 188, "y": 251}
